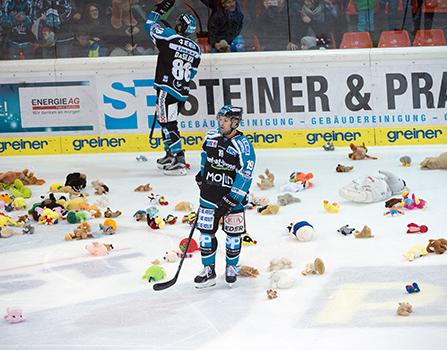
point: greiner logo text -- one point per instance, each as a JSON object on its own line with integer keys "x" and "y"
{"x": 79, "y": 144}
{"x": 22, "y": 145}
{"x": 314, "y": 137}
{"x": 393, "y": 136}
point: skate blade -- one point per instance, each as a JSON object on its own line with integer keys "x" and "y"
{"x": 176, "y": 172}
{"x": 208, "y": 284}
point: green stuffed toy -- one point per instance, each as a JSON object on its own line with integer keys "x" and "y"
{"x": 17, "y": 189}
{"x": 154, "y": 273}
{"x": 75, "y": 217}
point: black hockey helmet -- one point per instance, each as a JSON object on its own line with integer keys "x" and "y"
{"x": 186, "y": 24}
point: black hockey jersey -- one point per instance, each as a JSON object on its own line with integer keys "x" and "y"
{"x": 177, "y": 61}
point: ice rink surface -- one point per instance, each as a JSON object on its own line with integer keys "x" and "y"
{"x": 72, "y": 300}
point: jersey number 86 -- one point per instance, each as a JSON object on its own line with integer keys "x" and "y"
{"x": 181, "y": 70}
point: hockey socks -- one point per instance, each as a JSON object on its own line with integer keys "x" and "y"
{"x": 208, "y": 247}
{"x": 233, "y": 249}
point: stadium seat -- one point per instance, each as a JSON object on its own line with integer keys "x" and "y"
{"x": 429, "y": 37}
{"x": 394, "y": 38}
{"x": 437, "y": 6}
{"x": 356, "y": 40}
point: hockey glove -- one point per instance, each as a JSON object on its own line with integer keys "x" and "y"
{"x": 225, "y": 205}
{"x": 164, "y": 6}
{"x": 199, "y": 179}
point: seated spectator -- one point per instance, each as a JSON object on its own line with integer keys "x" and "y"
{"x": 318, "y": 16}
{"x": 55, "y": 16}
{"x": 224, "y": 24}
{"x": 17, "y": 21}
{"x": 365, "y": 15}
{"x": 272, "y": 27}
{"x": 86, "y": 46}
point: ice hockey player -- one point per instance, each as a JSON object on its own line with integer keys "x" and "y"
{"x": 225, "y": 176}
{"x": 178, "y": 59}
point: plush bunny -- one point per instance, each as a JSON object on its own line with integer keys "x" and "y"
{"x": 359, "y": 152}
{"x": 267, "y": 180}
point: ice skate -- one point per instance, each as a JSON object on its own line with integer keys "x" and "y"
{"x": 231, "y": 274}
{"x": 165, "y": 161}
{"x": 206, "y": 278}
{"x": 177, "y": 166}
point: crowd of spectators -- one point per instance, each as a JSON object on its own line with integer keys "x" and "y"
{"x": 76, "y": 28}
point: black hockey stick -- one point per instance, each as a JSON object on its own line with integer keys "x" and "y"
{"x": 170, "y": 283}
{"x": 288, "y": 21}
{"x": 153, "y": 127}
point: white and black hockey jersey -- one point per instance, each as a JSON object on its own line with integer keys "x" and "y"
{"x": 177, "y": 61}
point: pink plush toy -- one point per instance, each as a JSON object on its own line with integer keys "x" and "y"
{"x": 413, "y": 202}
{"x": 14, "y": 315}
{"x": 98, "y": 249}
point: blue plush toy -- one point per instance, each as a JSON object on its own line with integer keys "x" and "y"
{"x": 302, "y": 231}
{"x": 412, "y": 288}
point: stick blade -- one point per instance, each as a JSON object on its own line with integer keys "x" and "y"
{"x": 164, "y": 285}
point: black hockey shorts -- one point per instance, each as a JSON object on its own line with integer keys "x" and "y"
{"x": 233, "y": 224}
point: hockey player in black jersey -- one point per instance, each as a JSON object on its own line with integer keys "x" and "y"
{"x": 177, "y": 65}
{"x": 225, "y": 176}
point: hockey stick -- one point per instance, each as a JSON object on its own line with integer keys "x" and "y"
{"x": 170, "y": 283}
{"x": 153, "y": 127}
{"x": 405, "y": 15}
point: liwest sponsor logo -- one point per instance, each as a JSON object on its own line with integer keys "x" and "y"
{"x": 413, "y": 134}
{"x": 112, "y": 142}
{"x": 314, "y": 137}
{"x": 21, "y": 144}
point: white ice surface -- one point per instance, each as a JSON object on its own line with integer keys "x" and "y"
{"x": 73, "y": 300}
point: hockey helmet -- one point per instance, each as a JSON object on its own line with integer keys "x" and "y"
{"x": 186, "y": 24}
{"x": 233, "y": 112}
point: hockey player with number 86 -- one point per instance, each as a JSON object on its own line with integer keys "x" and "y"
{"x": 178, "y": 59}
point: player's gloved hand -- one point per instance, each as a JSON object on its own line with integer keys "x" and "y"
{"x": 164, "y": 6}
{"x": 199, "y": 179}
{"x": 225, "y": 205}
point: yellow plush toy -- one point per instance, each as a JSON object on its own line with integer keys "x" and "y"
{"x": 19, "y": 203}
{"x": 415, "y": 252}
{"x": 48, "y": 217}
{"x": 331, "y": 207}
{"x": 5, "y": 220}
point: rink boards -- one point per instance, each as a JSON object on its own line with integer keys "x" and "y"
{"x": 193, "y": 141}
{"x": 392, "y": 96}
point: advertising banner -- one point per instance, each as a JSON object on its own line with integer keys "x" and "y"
{"x": 304, "y": 99}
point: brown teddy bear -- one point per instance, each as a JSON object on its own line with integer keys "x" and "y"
{"x": 26, "y": 176}
{"x": 343, "y": 168}
{"x": 359, "y": 152}
{"x": 122, "y": 14}
{"x": 439, "y": 162}
{"x": 364, "y": 233}
{"x": 438, "y": 246}
{"x": 404, "y": 309}
{"x": 248, "y": 271}
{"x": 267, "y": 180}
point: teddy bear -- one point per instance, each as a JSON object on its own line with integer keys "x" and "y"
{"x": 271, "y": 209}
{"x": 280, "y": 264}
{"x": 26, "y": 176}
{"x": 314, "y": 268}
{"x": 77, "y": 181}
{"x": 343, "y": 168}
{"x": 112, "y": 214}
{"x": 100, "y": 187}
{"x": 281, "y": 280}
{"x": 404, "y": 309}
{"x": 98, "y": 249}
{"x": 438, "y": 246}
{"x": 272, "y": 294}
{"x": 364, "y": 233}
{"x": 6, "y": 232}
{"x": 170, "y": 256}
{"x": 122, "y": 14}
{"x": 287, "y": 198}
{"x": 439, "y": 162}
{"x": 359, "y": 152}
{"x": 267, "y": 180}
{"x": 80, "y": 232}
{"x": 248, "y": 271}
{"x": 415, "y": 252}
{"x": 183, "y": 206}
{"x": 143, "y": 188}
